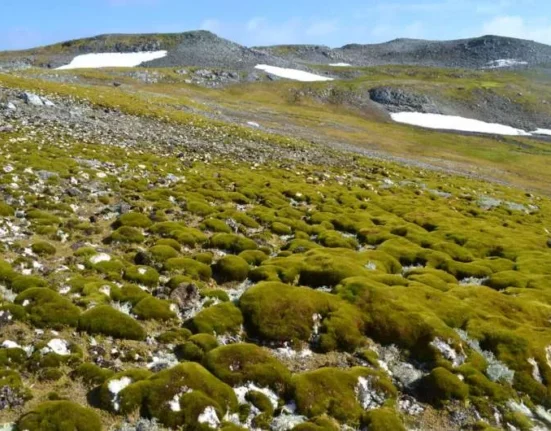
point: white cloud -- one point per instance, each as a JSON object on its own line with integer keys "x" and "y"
{"x": 516, "y": 26}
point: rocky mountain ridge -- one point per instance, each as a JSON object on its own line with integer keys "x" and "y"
{"x": 205, "y": 49}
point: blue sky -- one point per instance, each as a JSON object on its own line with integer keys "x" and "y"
{"x": 28, "y": 23}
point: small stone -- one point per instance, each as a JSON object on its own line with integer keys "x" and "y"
{"x": 32, "y": 99}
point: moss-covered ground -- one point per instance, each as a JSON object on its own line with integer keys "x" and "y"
{"x": 168, "y": 281}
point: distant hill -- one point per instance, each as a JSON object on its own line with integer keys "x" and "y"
{"x": 485, "y": 51}
{"x": 205, "y": 49}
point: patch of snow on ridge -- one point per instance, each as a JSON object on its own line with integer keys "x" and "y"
{"x": 297, "y": 75}
{"x": 505, "y": 62}
{"x": 450, "y": 122}
{"x": 542, "y": 132}
{"x": 112, "y": 59}
{"x": 339, "y": 64}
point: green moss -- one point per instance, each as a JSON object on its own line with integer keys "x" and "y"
{"x": 60, "y": 415}
{"x": 174, "y": 336}
{"x": 261, "y": 402}
{"x": 279, "y": 312}
{"x": 253, "y": 257}
{"x": 219, "y": 294}
{"x": 134, "y": 220}
{"x": 142, "y": 275}
{"x": 150, "y": 308}
{"x": 237, "y": 364}
{"x": 189, "y": 267}
{"x": 108, "y": 321}
{"x": 162, "y": 253}
{"x": 384, "y": 419}
{"x": 218, "y": 319}
{"x": 231, "y": 268}
{"x": 332, "y": 391}
{"x": 91, "y": 374}
{"x": 232, "y": 243}
{"x": 199, "y": 208}
{"x": 128, "y": 293}
{"x": 6, "y": 210}
{"x": 13, "y": 358}
{"x": 46, "y": 374}
{"x": 155, "y": 393}
{"x": 215, "y": 225}
{"x": 204, "y": 257}
{"x": 505, "y": 279}
{"x": 127, "y": 234}
{"x": 441, "y": 385}
{"x": 7, "y": 274}
{"x": 281, "y": 229}
{"x": 43, "y": 248}
{"x": 169, "y": 242}
{"x": 334, "y": 239}
{"x": 23, "y": 282}
{"x": 48, "y": 309}
{"x": 519, "y": 420}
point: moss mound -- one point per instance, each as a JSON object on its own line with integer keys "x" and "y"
{"x": 441, "y": 385}
{"x": 189, "y": 386}
{"x": 108, "y": 321}
{"x": 218, "y": 319}
{"x": 151, "y": 308}
{"x": 60, "y": 416}
{"x": 238, "y": 364}
{"x": 383, "y": 420}
{"x": 279, "y": 312}
{"x": 333, "y": 391}
{"x": 43, "y": 248}
{"x": 48, "y": 309}
{"x": 231, "y": 268}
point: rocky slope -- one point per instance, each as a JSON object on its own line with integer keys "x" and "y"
{"x": 205, "y": 49}
{"x": 476, "y": 53}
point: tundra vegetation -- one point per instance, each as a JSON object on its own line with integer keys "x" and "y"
{"x": 202, "y": 291}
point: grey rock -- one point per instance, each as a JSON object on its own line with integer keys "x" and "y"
{"x": 6, "y": 128}
{"x": 10, "y": 398}
{"x": 45, "y": 175}
{"x": 185, "y": 294}
{"x": 396, "y": 99}
{"x": 31, "y": 99}
{"x": 10, "y": 106}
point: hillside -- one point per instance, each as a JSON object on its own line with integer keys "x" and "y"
{"x": 475, "y": 53}
{"x": 206, "y": 248}
{"x": 205, "y": 49}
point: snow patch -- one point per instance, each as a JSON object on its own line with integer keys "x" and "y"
{"x": 450, "y": 122}
{"x": 115, "y": 386}
{"x": 339, "y": 64}
{"x": 209, "y": 417}
{"x": 112, "y": 59}
{"x": 8, "y": 344}
{"x": 242, "y": 391}
{"x": 297, "y": 75}
{"x": 57, "y": 346}
{"x": 542, "y": 132}
{"x": 536, "y": 374}
{"x": 100, "y": 257}
{"x": 505, "y": 62}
